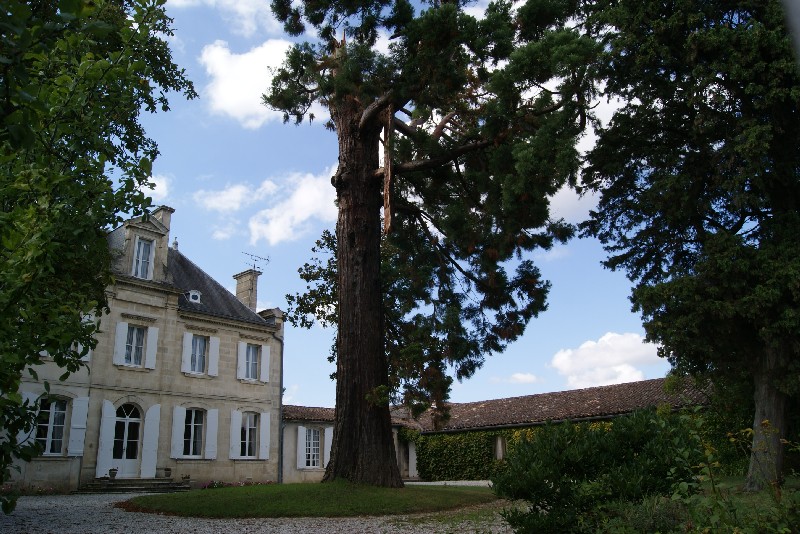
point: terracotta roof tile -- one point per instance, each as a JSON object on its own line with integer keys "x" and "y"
{"x": 594, "y": 402}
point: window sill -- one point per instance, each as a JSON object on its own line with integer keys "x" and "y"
{"x": 250, "y": 459}
{"x": 188, "y": 459}
{"x": 129, "y": 367}
{"x": 252, "y": 381}
{"x": 190, "y": 374}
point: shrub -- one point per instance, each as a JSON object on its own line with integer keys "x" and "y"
{"x": 567, "y": 472}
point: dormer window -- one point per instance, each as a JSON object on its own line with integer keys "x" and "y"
{"x": 144, "y": 251}
{"x": 194, "y": 296}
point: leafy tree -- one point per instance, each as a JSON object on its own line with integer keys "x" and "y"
{"x": 76, "y": 74}
{"x": 700, "y": 192}
{"x": 475, "y": 120}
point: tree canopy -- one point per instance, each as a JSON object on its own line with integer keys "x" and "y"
{"x": 460, "y": 130}
{"x": 699, "y": 181}
{"x": 76, "y": 75}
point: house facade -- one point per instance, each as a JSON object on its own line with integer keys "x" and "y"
{"x": 185, "y": 379}
{"x": 307, "y": 437}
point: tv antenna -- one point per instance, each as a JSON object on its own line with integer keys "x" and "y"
{"x": 255, "y": 260}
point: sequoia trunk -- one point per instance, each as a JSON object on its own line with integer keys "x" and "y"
{"x": 769, "y": 425}
{"x": 363, "y": 446}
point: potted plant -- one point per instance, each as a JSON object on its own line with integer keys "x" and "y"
{"x": 112, "y": 473}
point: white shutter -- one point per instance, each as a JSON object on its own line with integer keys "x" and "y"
{"x": 152, "y": 345}
{"x": 236, "y": 434}
{"x": 263, "y": 436}
{"x": 105, "y": 446}
{"x": 186, "y": 355}
{"x": 264, "y": 363}
{"x": 119, "y": 343}
{"x": 152, "y": 265}
{"x": 328, "y": 442}
{"x": 301, "y": 447}
{"x": 213, "y": 356}
{"x": 152, "y": 420}
{"x": 77, "y": 426}
{"x": 23, "y": 437}
{"x": 178, "y": 422}
{"x": 241, "y": 360}
{"x": 211, "y": 434}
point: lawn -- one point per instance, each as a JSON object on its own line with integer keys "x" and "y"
{"x": 339, "y": 499}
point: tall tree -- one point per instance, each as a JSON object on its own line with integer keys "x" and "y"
{"x": 75, "y": 75}
{"x": 459, "y": 131}
{"x": 699, "y": 175}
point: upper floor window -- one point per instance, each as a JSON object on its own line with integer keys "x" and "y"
{"x": 198, "y": 358}
{"x": 253, "y": 362}
{"x": 50, "y": 425}
{"x": 143, "y": 258}
{"x": 134, "y": 345}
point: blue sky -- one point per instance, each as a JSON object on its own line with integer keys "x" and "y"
{"x": 241, "y": 181}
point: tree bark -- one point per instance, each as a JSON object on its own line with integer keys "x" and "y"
{"x": 769, "y": 425}
{"x": 363, "y": 446}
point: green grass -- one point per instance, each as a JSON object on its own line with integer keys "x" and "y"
{"x": 339, "y": 499}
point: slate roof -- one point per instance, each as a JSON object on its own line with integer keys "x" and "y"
{"x": 215, "y": 299}
{"x": 597, "y": 402}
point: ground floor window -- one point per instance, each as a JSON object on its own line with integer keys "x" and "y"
{"x": 50, "y": 424}
{"x": 312, "y": 447}
{"x": 249, "y": 441}
{"x": 193, "y": 432}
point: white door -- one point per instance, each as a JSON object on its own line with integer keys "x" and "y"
{"x": 127, "y": 439}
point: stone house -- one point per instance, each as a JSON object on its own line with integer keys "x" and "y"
{"x": 307, "y": 435}
{"x": 185, "y": 379}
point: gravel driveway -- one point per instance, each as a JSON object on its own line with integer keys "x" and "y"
{"x": 89, "y": 514}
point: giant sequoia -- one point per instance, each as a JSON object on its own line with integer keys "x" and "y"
{"x": 454, "y": 137}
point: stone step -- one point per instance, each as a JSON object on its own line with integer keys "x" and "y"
{"x": 132, "y": 485}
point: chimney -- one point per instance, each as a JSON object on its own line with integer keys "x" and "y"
{"x": 246, "y": 287}
{"x": 163, "y": 214}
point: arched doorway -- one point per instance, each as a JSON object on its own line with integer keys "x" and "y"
{"x": 127, "y": 440}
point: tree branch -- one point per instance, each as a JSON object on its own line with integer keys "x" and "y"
{"x": 374, "y": 109}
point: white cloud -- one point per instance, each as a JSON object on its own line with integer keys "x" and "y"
{"x": 161, "y": 186}
{"x": 568, "y": 205}
{"x": 244, "y": 17}
{"x": 290, "y": 394}
{"x": 239, "y": 80}
{"x": 311, "y": 198}
{"x": 516, "y": 378}
{"x": 234, "y": 197}
{"x": 612, "y": 359}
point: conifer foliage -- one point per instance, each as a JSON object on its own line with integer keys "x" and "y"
{"x": 699, "y": 176}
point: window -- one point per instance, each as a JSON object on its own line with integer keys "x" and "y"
{"x": 312, "y": 447}
{"x": 134, "y": 345}
{"x": 143, "y": 259}
{"x": 198, "y": 357}
{"x": 193, "y": 432}
{"x": 249, "y": 447}
{"x": 50, "y": 425}
{"x": 251, "y": 362}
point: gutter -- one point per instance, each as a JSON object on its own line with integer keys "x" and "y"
{"x": 525, "y": 425}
